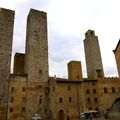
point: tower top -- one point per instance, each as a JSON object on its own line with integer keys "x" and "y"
{"x": 7, "y": 10}
{"x": 33, "y": 11}
{"x": 90, "y": 33}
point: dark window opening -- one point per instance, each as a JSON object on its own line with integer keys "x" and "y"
{"x": 90, "y": 108}
{"x": 12, "y": 89}
{"x": 40, "y": 100}
{"x": 113, "y": 90}
{"x": 60, "y": 100}
{"x": 11, "y": 109}
{"x": 23, "y": 89}
{"x": 45, "y": 111}
{"x": 23, "y": 109}
{"x": 78, "y": 77}
{"x": 91, "y": 32}
{"x": 68, "y": 118}
{"x": 69, "y": 88}
{"x": 88, "y": 99}
{"x": 105, "y": 90}
{"x": 99, "y": 73}
{"x": 94, "y": 91}
{"x": 87, "y": 91}
{"x": 95, "y": 100}
{"x": 70, "y": 99}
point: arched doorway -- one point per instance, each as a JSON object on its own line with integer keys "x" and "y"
{"x": 61, "y": 115}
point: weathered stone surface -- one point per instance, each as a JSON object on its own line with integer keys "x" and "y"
{"x": 6, "y": 36}
{"x": 36, "y": 61}
{"x": 93, "y": 55}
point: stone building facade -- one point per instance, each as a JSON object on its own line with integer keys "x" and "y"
{"x": 17, "y": 97}
{"x": 6, "y": 36}
{"x": 32, "y": 91}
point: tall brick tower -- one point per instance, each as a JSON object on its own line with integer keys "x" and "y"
{"x": 93, "y": 55}
{"x": 36, "y": 61}
{"x": 6, "y": 37}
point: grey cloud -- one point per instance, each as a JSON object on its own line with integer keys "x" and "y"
{"x": 64, "y": 48}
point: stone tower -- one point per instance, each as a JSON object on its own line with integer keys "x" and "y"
{"x": 36, "y": 62}
{"x": 36, "y": 54}
{"x": 75, "y": 70}
{"x": 117, "y": 56}
{"x": 19, "y": 63}
{"x": 6, "y": 37}
{"x": 93, "y": 55}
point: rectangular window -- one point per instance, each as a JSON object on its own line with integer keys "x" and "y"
{"x": 87, "y": 91}
{"x": 95, "y": 100}
{"x": 12, "y": 89}
{"x": 70, "y": 99}
{"x": 60, "y": 100}
{"x": 23, "y": 89}
{"x": 94, "y": 91}
{"x": 23, "y": 109}
{"x": 40, "y": 100}
{"x": 11, "y": 109}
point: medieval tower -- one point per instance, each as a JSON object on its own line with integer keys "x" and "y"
{"x": 6, "y": 37}
{"x": 117, "y": 56}
{"x": 36, "y": 61}
{"x": 93, "y": 55}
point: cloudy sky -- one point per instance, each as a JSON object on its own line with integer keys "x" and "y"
{"x": 68, "y": 20}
